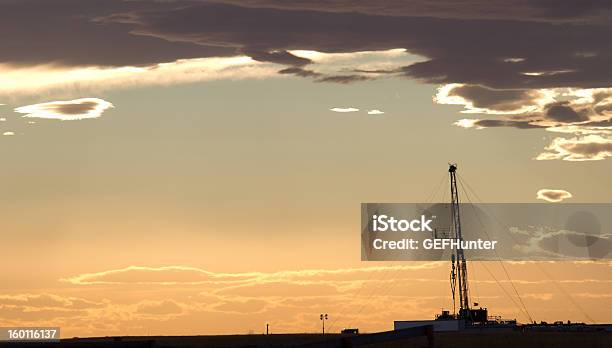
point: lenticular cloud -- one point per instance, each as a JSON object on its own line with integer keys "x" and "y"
{"x": 69, "y": 110}
{"x": 553, "y": 195}
{"x": 344, "y": 109}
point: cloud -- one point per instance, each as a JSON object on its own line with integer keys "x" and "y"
{"x": 539, "y": 296}
{"x": 16, "y": 80}
{"x": 553, "y": 195}
{"x": 479, "y": 51}
{"x": 563, "y": 112}
{"x": 480, "y": 99}
{"x": 281, "y": 289}
{"x": 83, "y": 39}
{"x": 45, "y": 300}
{"x": 159, "y": 275}
{"x": 299, "y": 72}
{"x": 165, "y": 308}
{"x": 70, "y": 110}
{"x": 349, "y": 109}
{"x": 9, "y": 133}
{"x": 375, "y": 112}
{"x": 348, "y": 58}
{"x": 168, "y": 275}
{"x": 538, "y": 65}
{"x": 587, "y": 148}
{"x": 289, "y": 299}
{"x": 588, "y": 110}
{"x": 362, "y": 66}
{"x": 578, "y": 241}
{"x": 461, "y": 44}
{"x": 546, "y": 11}
{"x": 488, "y": 123}
{"x": 586, "y": 113}
{"x": 344, "y": 79}
{"x": 279, "y": 57}
{"x": 350, "y": 67}
{"x": 241, "y": 306}
{"x": 38, "y": 315}
{"x": 50, "y": 79}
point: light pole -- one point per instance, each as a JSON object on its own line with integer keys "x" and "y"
{"x": 323, "y": 317}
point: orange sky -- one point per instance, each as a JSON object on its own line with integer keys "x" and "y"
{"x": 189, "y": 300}
{"x": 162, "y": 176}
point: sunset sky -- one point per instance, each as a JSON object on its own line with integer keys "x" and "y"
{"x": 197, "y": 167}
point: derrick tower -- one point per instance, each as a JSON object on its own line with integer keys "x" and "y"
{"x": 459, "y": 265}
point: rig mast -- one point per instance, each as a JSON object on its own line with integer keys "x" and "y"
{"x": 459, "y": 265}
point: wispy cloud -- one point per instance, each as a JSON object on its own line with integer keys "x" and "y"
{"x": 157, "y": 275}
{"x": 69, "y": 110}
{"x": 46, "y": 300}
{"x": 375, "y": 112}
{"x": 539, "y": 296}
{"x": 194, "y": 275}
{"x": 24, "y": 80}
{"x": 543, "y": 242}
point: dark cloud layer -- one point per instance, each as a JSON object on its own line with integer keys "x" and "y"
{"x": 66, "y": 32}
{"x": 471, "y": 52}
{"x": 527, "y": 10}
{"x": 474, "y": 51}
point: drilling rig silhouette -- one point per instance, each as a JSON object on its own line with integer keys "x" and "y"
{"x": 459, "y": 275}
